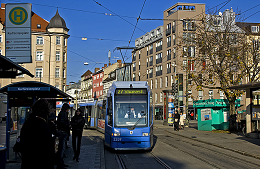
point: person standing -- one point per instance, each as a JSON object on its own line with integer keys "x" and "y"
{"x": 176, "y": 120}
{"x": 37, "y": 149}
{"x": 63, "y": 126}
{"x": 181, "y": 121}
{"x": 77, "y": 124}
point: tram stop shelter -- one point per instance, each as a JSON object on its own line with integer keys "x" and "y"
{"x": 20, "y": 97}
{"x": 252, "y": 104}
{"x": 213, "y": 114}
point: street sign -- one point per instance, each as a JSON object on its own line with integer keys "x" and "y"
{"x": 18, "y": 32}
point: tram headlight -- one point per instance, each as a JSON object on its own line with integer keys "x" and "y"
{"x": 116, "y": 134}
{"x": 145, "y": 134}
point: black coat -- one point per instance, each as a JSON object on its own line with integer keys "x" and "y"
{"x": 36, "y": 144}
{"x": 77, "y": 123}
{"x": 63, "y": 122}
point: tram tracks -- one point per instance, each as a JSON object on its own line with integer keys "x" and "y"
{"x": 209, "y": 148}
{"x": 122, "y": 164}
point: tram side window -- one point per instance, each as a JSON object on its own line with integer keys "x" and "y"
{"x": 109, "y": 111}
{"x": 151, "y": 111}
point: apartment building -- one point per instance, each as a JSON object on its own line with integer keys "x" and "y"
{"x": 86, "y": 85}
{"x": 48, "y": 50}
{"x": 97, "y": 88}
{"x": 161, "y": 56}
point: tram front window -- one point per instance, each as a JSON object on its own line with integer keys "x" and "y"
{"x": 131, "y": 110}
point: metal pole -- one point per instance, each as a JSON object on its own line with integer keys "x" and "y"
{"x": 187, "y": 93}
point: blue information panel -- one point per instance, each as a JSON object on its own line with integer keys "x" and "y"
{"x": 28, "y": 89}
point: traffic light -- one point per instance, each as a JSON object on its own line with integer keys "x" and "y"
{"x": 174, "y": 88}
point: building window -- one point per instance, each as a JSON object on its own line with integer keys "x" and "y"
{"x": 189, "y": 51}
{"x": 134, "y": 66}
{"x": 39, "y": 72}
{"x": 134, "y": 77}
{"x": 1, "y": 38}
{"x": 57, "y": 55}
{"x": 139, "y": 65}
{"x": 57, "y": 72}
{"x": 171, "y": 80}
{"x": 254, "y": 29}
{"x": 156, "y": 83}
{"x": 156, "y": 98}
{"x": 169, "y": 54}
{"x": 221, "y": 94}
{"x": 39, "y": 56}
{"x": 151, "y": 84}
{"x": 189, "y": 95}
{"x": 39, "y": 40}
{"x": 161, "y": 82}
{"x": 100, "y": 92}
{"x": 101, "y": 84}
{"x": 139, "y": 76}
{"x": 64, "y": 41}
{"x": 57, "y": 40}
{"x": 57, "y": 86}
{"x": 189, "y": 24}
{"x": 20, "y": 72}
{"x": 161, "y": 97}
{"x": 0, "y": 52}
{"x": 158, "y": 58}
{"x": 39, "y": 26}
{"x": 97, "y": 76}
{"x": 159, "y": 70}
{"x": 64, "y": 57}
{"x": 101, "y": 75}
{"x": 169, "y": 41}
{"x": 174, "y": 53}
{"x": 173, "y": 39}
{"x": 200, "y": 95}
{"x": 64, "y": 73}
{"x": 166, "y": 81}
{"x": 210, "y": 94}
{"x": 97, "y": 84}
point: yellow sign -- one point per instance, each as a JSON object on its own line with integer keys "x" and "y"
{"x": 18, "y": 16}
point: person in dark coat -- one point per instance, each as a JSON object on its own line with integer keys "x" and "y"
{"x": 63, "y": 126}
{"x": 36, "y": 139}
{"x": 176, "y": 120}
{"x": 54, "y": 132}
{"x": 77, "y": 124}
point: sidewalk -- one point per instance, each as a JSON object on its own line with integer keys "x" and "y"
{"x": 91, "y": 154}
{"x": 235, "y": 141}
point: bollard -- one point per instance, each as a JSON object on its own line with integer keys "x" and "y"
{"x": 2, "y": 156}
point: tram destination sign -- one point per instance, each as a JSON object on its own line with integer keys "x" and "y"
{"x": 131, "y": 91}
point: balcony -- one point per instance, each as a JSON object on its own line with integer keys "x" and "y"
{"x": 168, "y": 31}
{"x": 151, "y": 63}
{"x": 159, "y": 48}
{"x": 159, "y": 73}
{"x": 169, "y": 57}
{"x": 169, "y": 70}
{"x": 159, "y": 60}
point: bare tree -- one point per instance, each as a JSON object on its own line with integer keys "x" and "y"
{"x": 221, "y": 59}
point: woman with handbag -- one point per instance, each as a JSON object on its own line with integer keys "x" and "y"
{"x": 77, "y": 124}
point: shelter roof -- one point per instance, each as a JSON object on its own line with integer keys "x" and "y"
{"x": 9, "y": 69}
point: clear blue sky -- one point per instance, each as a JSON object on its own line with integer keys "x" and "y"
{"x": 85, "y": 18}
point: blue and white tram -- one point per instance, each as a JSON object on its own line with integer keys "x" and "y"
{"x": 129, "y": 116}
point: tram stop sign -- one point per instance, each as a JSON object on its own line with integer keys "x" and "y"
{"x": 18, "y": 32}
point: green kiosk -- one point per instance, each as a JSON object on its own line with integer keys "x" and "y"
{"x": 213, "y": 114}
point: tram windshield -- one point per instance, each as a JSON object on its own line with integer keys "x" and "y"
{"x": 131, "y": 110}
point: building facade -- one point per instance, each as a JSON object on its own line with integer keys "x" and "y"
{"x": 97, "y": 88}
{"x": 86, "y": 85}
{"x": 48, "y": 50}
{"x": 160, "y": 57}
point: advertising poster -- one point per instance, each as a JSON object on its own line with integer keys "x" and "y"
{"x": 170, "y": 109}
{"x": 205, "y": 114}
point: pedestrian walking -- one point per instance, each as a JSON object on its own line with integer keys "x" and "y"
{"x": 63, "y": 126}
{"x": 181, "y": 121}
{"x": 36, "y": 139}
{"x": 176, "y": 120}
{"x": 77, "y": 124}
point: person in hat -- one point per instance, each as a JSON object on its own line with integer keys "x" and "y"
{"x": 77, "y": 124}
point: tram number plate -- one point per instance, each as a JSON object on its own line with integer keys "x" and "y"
{"x": 117, "y": 139}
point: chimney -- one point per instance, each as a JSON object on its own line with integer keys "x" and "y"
{"x": 105, "y": 65}
{"x": 96, "y": 69}
{"x": 109, "y": 64}
{"x": 2, "y": 6}
{"x": 119, "y": 63}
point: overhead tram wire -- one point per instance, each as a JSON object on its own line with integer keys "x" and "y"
{"x": 117, "y": 15}
{"x": 134, "y": 28}
{"x": 79, "y": 10}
